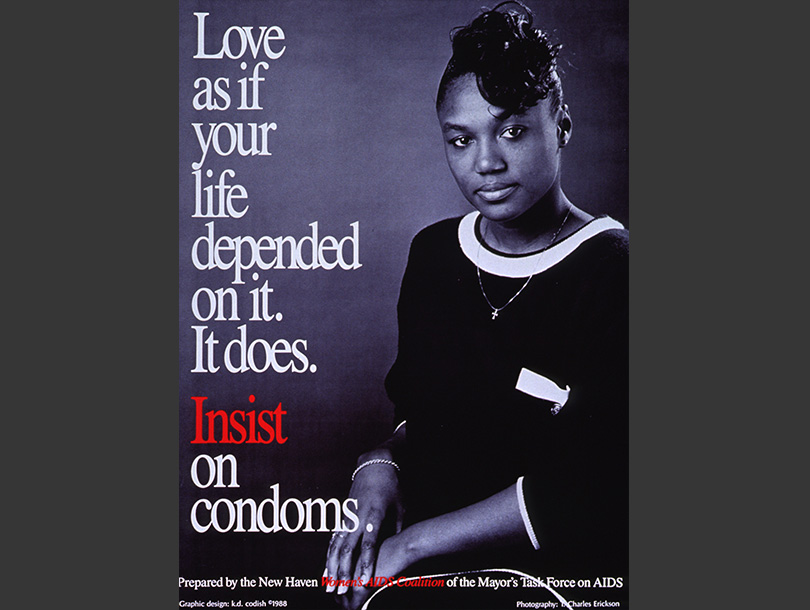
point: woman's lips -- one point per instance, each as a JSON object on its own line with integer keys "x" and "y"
{"x": 495, "y": 192}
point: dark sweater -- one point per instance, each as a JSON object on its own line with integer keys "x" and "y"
{"x": 471, "y": 433}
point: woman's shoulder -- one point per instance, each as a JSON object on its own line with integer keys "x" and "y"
{"x": 615, "y": 241}
{"x": 598, "y": 253}
{"x": 439, "y": 235}
{"x": 606, "y": 238}
{"x": 433, "y": 251}
{"x": 442, "y": 228}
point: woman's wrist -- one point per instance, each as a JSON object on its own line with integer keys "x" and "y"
{"x": 375, "y": 462}
{"x": 398, "y": 552}
{"x": 378, "y": 453}
{"x": 412, "y": 544}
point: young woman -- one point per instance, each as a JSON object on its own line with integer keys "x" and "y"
{"x": 510, "y": 383}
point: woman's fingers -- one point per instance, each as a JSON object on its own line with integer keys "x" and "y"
{"x": 331, "y": 565}
{"x": 342, "y": 544}
{"x": 364, "y": 568}
{"x": 352, "y": 556}
{"x": 344, "y": 563}
{"x": 400, "y": 518}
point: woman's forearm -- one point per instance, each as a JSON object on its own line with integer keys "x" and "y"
{"x": 391, "y": 449}
{"x": 490, "y": 523}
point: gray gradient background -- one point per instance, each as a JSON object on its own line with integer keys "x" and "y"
{"x": 709, "y": 458}
{"x": 357, "y": 140}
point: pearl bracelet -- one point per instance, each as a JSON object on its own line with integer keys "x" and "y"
{"x": 370, "y": 462}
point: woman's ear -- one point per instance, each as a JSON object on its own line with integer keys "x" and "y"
{"x": 564, "y": 126}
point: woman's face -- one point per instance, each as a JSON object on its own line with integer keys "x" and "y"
{"x": 503, "y": 167}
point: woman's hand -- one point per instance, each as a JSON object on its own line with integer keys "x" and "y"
{"x": 376, "y": 489}
{"x": 392, "y": 560}
{"x": 491, "y": 523}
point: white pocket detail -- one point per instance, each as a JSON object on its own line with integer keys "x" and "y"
{"x": 541, "y": 387}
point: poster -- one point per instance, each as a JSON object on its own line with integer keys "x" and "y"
{"x": 310, "y": 155}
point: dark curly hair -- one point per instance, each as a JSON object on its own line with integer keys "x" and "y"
{"x": 515, "y": 65}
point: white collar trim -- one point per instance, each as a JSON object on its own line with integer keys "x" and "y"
{"x": 524, "y": 265}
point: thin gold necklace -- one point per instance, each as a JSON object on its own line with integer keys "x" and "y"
{"x": 497, "y": 310}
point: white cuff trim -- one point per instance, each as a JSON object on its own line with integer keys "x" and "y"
{"x": 524, "y": 514}
{"x": 544, "y": 388}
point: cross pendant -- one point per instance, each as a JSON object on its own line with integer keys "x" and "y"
{"x": 494, "y": 313}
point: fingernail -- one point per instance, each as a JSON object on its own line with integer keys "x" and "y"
{"x": 330, "y": 588}
{"x": 342, "y": 589}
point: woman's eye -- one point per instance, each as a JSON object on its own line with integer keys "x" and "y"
{"x": 460, "y": 141}
{"x": 512, "y": 132}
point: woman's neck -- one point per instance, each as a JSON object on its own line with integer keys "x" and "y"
{"x": 544, "y": 224}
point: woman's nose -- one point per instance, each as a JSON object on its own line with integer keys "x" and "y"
{"x": 489, "y": 158}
